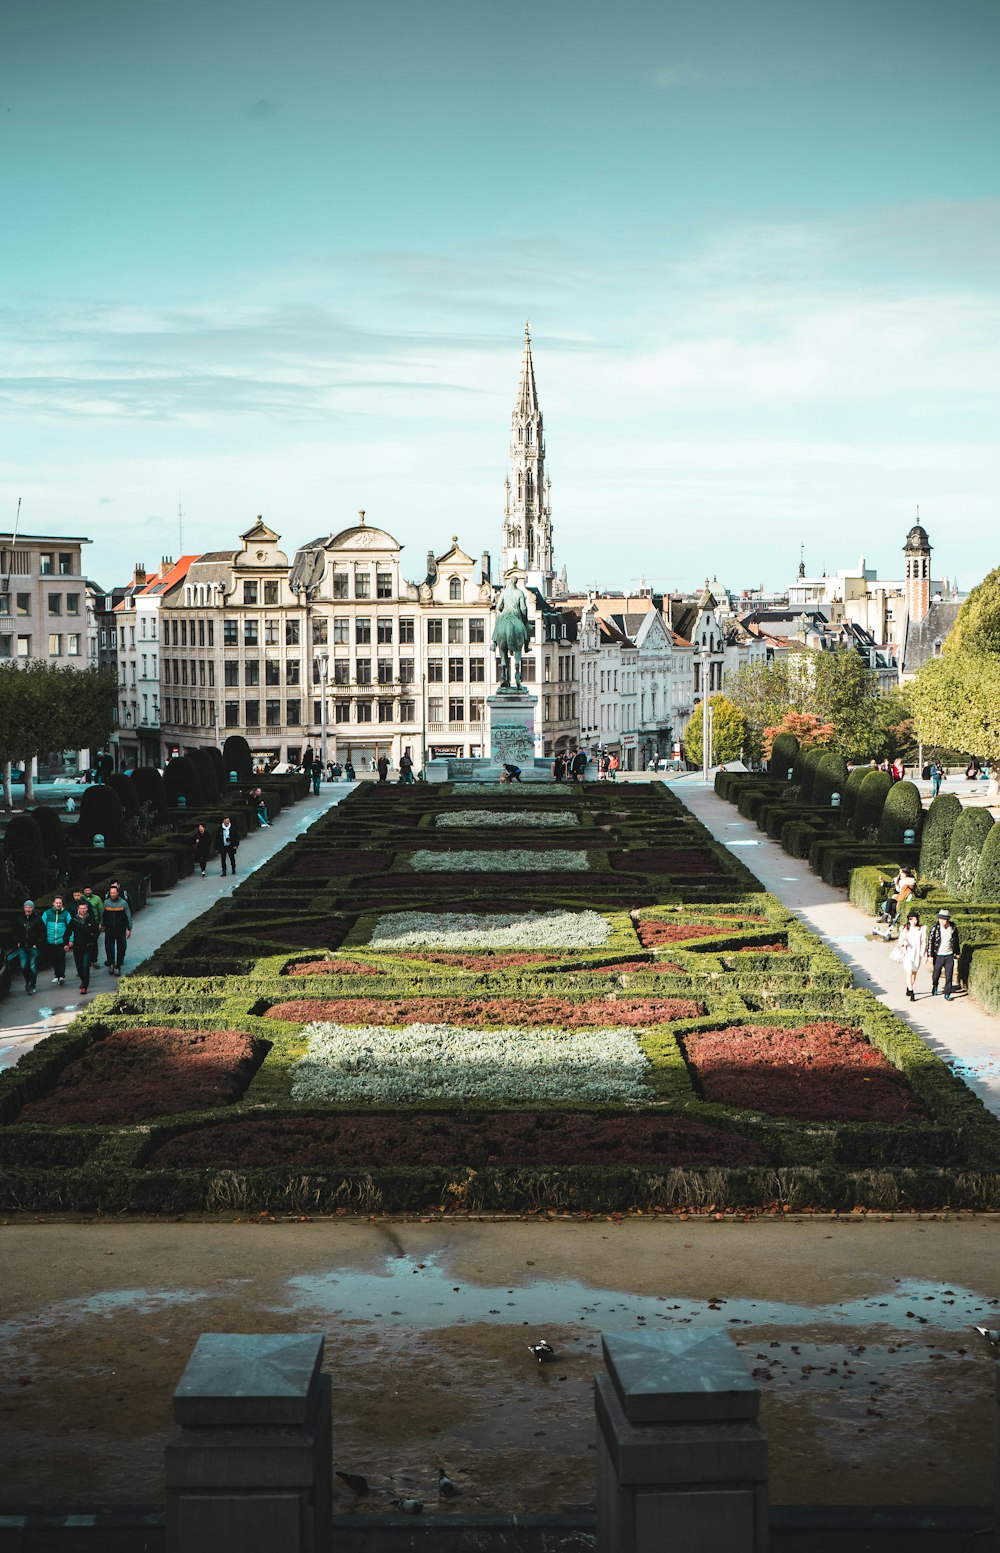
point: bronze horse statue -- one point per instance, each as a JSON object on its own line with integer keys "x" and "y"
{"x": 512, "y": 633}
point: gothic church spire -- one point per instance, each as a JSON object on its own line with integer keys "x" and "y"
{"x": 527, "y": 527}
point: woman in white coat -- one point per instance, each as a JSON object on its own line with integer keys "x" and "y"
{"x": 912, "y": 949}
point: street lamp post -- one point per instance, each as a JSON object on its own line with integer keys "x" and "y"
{"x": 706, "y": 716}
{"x": 324, "y": 668}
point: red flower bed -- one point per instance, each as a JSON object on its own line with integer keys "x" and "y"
{"x": 509, "y": 1138}
{"x": 132, "y": 1075}
{"x": 652, "y": 932}
{"x": 762, "y": 949}
{"x": 657, "y": 966}
{"x": 332, "y": 865}
{"x": 815, "y": 1072}
{"x": 482, "y": 962}
{"x": 333, "y": 968}
{"x": 473, "y": 1012}
{"x": 686, "y": 861}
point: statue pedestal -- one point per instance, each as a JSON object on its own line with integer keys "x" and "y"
{"x": 512, "y": 727}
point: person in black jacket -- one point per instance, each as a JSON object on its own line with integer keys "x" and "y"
{"x": 202, "y": 848}
{"x": 29, "y": 935}
{"x": 227, "y": 840}
{"x": 84, "y": 935}
{"x": 943, "y": 949}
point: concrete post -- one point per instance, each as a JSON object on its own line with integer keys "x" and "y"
{"x": 250, "y": 1464}
{"x": 681, "y": 1460}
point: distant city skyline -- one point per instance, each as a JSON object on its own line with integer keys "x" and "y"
{"x": 279, "y": 262}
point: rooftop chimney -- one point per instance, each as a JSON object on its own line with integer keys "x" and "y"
{"x": 139, "y": 575}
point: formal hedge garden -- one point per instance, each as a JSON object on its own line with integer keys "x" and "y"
{"x": 451, "y": 999}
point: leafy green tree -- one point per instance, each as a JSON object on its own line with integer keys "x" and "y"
{"x": 836, "y": 688}
{"x": 977, "y": 627}
{"x": 729, "y": 728}
{"x": 956, "y": 702}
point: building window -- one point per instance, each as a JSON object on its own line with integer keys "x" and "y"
{"x": 272, "y": 671}
{"x": 363, "y": 590}
{"x": 72, "y": 603}
{"x": 292, "y": 671}
{"x": 250, "y": 633}
{"x": 231, "y": 673}
{"x": 66, "y": 568}
{"x": 229, "y": 632}
{"x": 6, "y": 646}
{"x": 435, "y": 671}
{"x": 528, "y": 670}
{"x": 456, "y": 632}
{"x": 249, "y": 593}
{"x": 232, "y": 714}
{"x": 340, "y": 581}
{"x": 407, "y": 711}
{"x": 383, "y": 634}
{"x": 406, "y": 671}
{"x": 272, "y": 633}
{"x": 341, "y": 630}
{"x": 363, "y": 671}
{"x": 383, "y": 584}
{"x": 55, "y": 645}
{"x": 341, "y": 711}
{"x": 271, "y": 594}
{"x": 456, "y": 670}
{"x": 272, "y": 714}
{"x": 362, "y": 630}
{"x": 455, "y": 587}
{"x": 55, "y": 603}
{"x": 45, "y": 563}
{"x": 253, "y": 714}
{"x": 385, "y": 671}
{"x": 435, "y": 630}
{"x": 435, "y": 709}
{"x": 251, "y": 672}
{"x": 293, "y": 713}
{"x": 341, "y": 671}
{"x": 291, "y": 633}
{"x": 385, "y": 711}
{"x": 319, "y": 631}
{"x": 476, "y": 705}
{"x": 23, "y": 603}
{"x": 456, "y": 709}
{"x": 477, "y": 670}
{"x": 364, "y": 711}
{"x": 184, "y": 633}
{"x": 477, "y": 630}
{"x": 406, "y": 633}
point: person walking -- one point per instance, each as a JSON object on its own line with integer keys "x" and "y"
{"x": 349, "y": 771}
{"x": 911, "y": 951}
{"x": 383, "y": 769}
{"x": 406, "y": 768}
{"x": 29, "y": 936}
{"x": 578, "y": 766}
{"x": 936, "y": 775}
{"x": 94, "y": 902}
{"x": 558, "y": 769}
{"x": 85, "y": 938}
{"x": 202, "y": 847}
{"x": 943, "y": 948}
{"x": 56, "y": 922}
{"x": 117, "y": 921}
{"x": 227, "y": 841}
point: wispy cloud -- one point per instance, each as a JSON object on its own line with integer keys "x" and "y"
{"x": 669, "y": 77}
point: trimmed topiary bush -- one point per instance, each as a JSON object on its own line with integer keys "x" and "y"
{"x": 902, "y": 811}
{"x": 939, "y": 823}
{"x": 783, "y": 754}
{"x": 849, "y": 796}
{"x": 236, "y": 757}
{"x": 101, "y": 814}
{"x": 987, "y": 882}
{"x": 23, "y": 849}
{"x": 221, "y": 774}
{"x": 55, "y": 837}
{"x": 205, "y": 766}
{"x": 967, "y": 841}
{"x": 810, "y": 765}
{"x": 830, "y": 777}
{"x": 182, "y": 779}
{"x": 149, "y": 788}
{"x": 870, "y": 801}
{"x": 125, "y": 788}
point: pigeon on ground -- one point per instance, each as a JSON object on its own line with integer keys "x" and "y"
{"x": 543, "y": 1351}
{"x": 991, "y": 1335}
{"x": 446, "y": 1488}
{"x": 409, "y": 1506}
{"x": 355, "y": 1482}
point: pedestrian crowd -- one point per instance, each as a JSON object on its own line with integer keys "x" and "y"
{"x": 57, "y": 929}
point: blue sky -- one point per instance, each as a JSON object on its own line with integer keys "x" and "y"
{"x": 278, "y": 258}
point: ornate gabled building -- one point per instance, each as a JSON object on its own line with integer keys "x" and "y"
{"x": 527, "y": 518}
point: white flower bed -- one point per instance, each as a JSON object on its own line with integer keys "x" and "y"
{"x": 532, "y": 819}
{"x": 491, "y": 930}
{"x": 515, "y": 860}
{"x": 504, "y": 790}
{"x": 376, "y": 1065}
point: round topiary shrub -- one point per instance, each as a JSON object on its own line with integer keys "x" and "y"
{"x": 783, "y": 754}
{"x": 810, "y": 765}
{"x": 236, "y": 757}
{"x": 986, "y": 886}
{"x": 23, "y": 850}
{"x": 221, "y": 774}
{"x": 101, "y": 814}
{"x": 125, "y": 788}
{"x": 830, "y": 777}
{"x": 182, "y": 779}
{"x": 967, "y": 842}
{"x": 849, "y": 795}
{"x": 871, "y": 798}
{"x": 939, "y": 822}
{"x": 148, "y": 786}
{"x": 55, "y": 841}
{"x": 902, "y": 811}
{"x": 205, "y": 767}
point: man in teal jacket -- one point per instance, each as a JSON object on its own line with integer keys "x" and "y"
{"x": 57, "y": 922}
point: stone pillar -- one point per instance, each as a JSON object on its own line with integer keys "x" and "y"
{"x": 512, "y": 727}
{"x": 681, "y": 1460}
{"x": 249, "y": 1465}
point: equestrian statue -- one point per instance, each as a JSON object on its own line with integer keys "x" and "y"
{"x": 512, "y": 633}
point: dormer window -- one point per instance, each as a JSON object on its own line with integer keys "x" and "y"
{"x": 938, "y": 647}
{"x": 455, "y": 588}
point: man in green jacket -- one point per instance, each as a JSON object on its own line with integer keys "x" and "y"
{"x": 56, "y": 922}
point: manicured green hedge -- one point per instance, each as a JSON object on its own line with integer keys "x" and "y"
{"x": 830, "y": 777}
{"x": 967, "y": 841}
{"x": 987, "y": 882}
{"x": 849, "y": 796}
{"x": 902, "y": 811}
{"x": 935, "y": 843}
{"x": 784, "y": 752}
